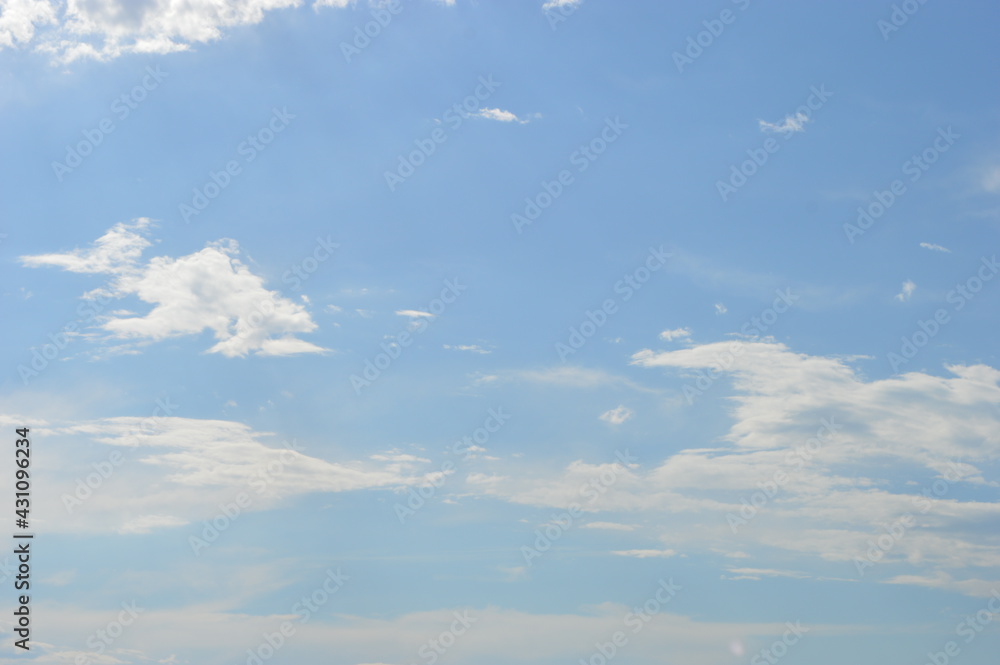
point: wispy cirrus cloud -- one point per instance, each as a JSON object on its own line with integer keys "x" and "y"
{"x": 935, "y": 248}
{"x": 180, "y": 470}
{"x": 827, "y": 504}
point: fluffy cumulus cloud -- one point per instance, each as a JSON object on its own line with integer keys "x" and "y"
{"x": 818, "y": 465}
{"x": 69, "y": 30}
{"x": 211, "y": 289}
{"x": 19, "y": 20}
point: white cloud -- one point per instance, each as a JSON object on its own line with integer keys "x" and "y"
{"x": 720, "y": 308}
{"x": 790, "y": 125}
{"x": 757, "y": 573}
{"x": 147, "y": 523}
{"x": 398, "y": 457}
{"x": 179, "y": 470}
{"x": 936, "y": 248}
{"x": 574, "y": 377}
{"x": 611, "y": 526}
{"x": 20, "y": 18}
{"x": 557, "y": 4}
{"x": 502, "y": 116}
{"x": 209, "y": 290}
{"x": 414, "y": 314}
{"x": 541, "y": 638}
{"x": 106, "y": 29}
{"x": 472, "y": 348}
{"x": 676, "y": 333}
{"x": 116, "y": 252}
{"x": 646, "y": 554}
{"x": 971, "y": 587}
{"x": 907, "y": 291}
{"x": 830, "y": 503}
{"x": 618, "y": 415}
{"x": 991, "y": 180}
{"x": 62, "y": 578}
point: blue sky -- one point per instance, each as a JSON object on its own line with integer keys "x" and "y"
{"x": 535, "y": 331}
